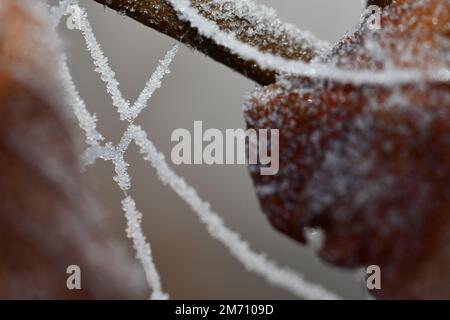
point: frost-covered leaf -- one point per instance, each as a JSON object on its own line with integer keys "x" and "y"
{"x": 369, "y": 164}
{"x": 48, "y": 221}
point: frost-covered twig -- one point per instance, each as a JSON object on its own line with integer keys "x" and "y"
{"x": 270, "y": 61}
{"x": 248, "y": 32}
{"x": 253, "y": 24}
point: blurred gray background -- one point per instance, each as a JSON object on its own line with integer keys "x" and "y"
{"x": 192, "y": 265}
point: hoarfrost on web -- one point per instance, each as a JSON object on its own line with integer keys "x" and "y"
{"x": 254, "y": 262}
{"x": 108, "y": 152}
{"x": 143, "y": 250}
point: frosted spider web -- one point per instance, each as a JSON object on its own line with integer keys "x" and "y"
{"x": 282, "y": 277}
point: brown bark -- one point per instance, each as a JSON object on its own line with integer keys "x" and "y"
{"x": 159, "y": 15}
{"x": 380, "y": 3}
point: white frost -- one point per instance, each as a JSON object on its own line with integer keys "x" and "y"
{"x": 143, "y": 250}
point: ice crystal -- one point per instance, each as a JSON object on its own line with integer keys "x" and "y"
{"x": 143, "y": 251}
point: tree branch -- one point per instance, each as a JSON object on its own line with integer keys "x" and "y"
{"x": 380, "y": 3}
{"x": 270, "y": 35}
